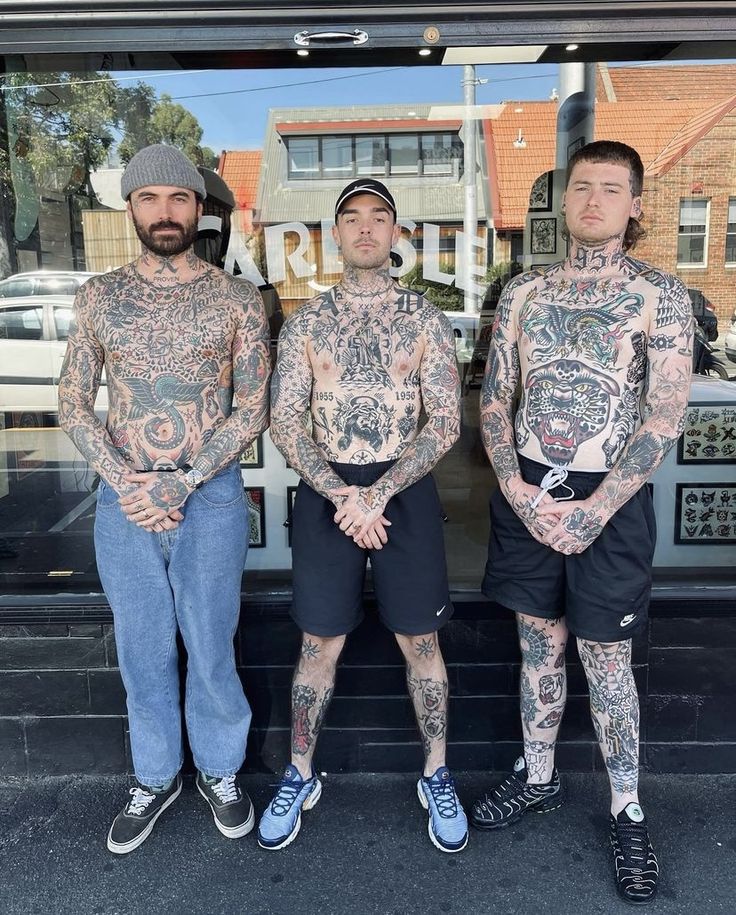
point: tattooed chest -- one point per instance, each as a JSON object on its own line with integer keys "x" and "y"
{"x": 194, "y": 350}
{"x": 595, "y": 329}
{"x": 376, "y": 353}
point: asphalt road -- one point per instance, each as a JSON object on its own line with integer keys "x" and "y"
{"x": 363, "y": 849}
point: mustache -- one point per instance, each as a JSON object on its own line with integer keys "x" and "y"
{"x": 166, "y": 224}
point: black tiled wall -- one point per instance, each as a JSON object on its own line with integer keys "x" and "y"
{"x": 62, "y": 704}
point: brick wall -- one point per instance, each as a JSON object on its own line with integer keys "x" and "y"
{"x": 710, "y": 165}
{"x": 62, "y": 706}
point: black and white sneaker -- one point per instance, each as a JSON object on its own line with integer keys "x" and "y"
{"x": 509, "y": 801}
{"x": 133, "y": 825}
{"x": 637, "y": 871}
{"x": 231, "y": 807}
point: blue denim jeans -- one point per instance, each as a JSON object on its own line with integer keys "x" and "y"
{"x": 189, "y": 579}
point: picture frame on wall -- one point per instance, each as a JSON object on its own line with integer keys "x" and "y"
{"x": 290, "y": 496}
{"x": 709, "y": 436}
{"x": 252, "y": 457}
{"x": 705, "y": 514}
{"x": 255, "y": 497}
{"x": 573, "y": 147}
{"x": 540, "y": 196}
{"x": 544, "y": 235}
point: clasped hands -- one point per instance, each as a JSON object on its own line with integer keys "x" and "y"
{"x": 154, "y": 500}
{"x": 568, "y": 527}
{"x": 361, "y": 517}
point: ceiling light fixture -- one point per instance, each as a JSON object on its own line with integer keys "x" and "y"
{"x": 572, "y": 47}
{"x": 425, "y": 52}
{"x": 302, "y": 52}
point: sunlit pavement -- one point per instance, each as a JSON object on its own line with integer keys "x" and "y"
{"x": 363, "y": 849}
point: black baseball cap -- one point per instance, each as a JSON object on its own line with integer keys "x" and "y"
{"x": 365, "y": 186}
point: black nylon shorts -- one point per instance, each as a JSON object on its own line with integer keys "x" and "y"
{"x": 603, "y": 592}
{"x": 409, "y": 573}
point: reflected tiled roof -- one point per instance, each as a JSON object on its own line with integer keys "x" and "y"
{"x": 240, "y": 170}
{"x": 661, "y": 131}
{"x": 666, "y": 83}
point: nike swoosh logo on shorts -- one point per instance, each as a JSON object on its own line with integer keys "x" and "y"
{"x": 440, "y": 610}
{"x": 627, "y": 619}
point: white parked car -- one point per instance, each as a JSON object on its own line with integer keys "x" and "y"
{"x": 43, "y": 282}
{"x": 33, "y": 337}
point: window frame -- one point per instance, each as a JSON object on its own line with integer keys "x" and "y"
{"x": 690, "y": 265}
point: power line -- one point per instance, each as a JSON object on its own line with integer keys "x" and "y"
{"x": 301, "y": 82}
{"x": 117, "y": 79}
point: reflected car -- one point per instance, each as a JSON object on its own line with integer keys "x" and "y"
{"x": 729, "y": 342}
{"x": 33, "y": 335}
{"x": 43, "y": 282}
{"x": 705, "y": 314}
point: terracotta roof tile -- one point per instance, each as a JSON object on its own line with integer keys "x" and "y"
{"x": 650, "y": 126}
{"x": 240, "y": 170}
{"x": 684, "y": 81}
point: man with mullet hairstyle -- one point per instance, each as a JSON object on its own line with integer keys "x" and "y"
{"x": 600, "y": 347}
{"x": 179, "y": 340}
{"x": 356, "y": 366}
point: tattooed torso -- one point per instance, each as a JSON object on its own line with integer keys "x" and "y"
{"x": 366, "y": 395}
{"x": 583, "y": 352}
{"x": 168, "y": 354}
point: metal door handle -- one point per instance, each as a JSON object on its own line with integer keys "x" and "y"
{"x": 356, "y": 37}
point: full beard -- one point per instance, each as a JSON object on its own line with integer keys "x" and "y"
{"x": 167, "y": 246}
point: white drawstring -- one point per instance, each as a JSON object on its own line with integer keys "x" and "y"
{"x": 554, "y": 477}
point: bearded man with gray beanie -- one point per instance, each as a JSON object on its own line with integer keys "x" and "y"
{"x": 179, "y": 340}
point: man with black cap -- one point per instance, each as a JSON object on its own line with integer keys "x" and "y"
{"x": 356, "y": 367}
{"x": 178, "y": 339}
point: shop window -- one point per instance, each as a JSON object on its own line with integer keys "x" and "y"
{"x": 731, "y": 232}
{"x": 692, "y": 240}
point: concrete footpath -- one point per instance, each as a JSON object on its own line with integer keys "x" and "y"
{"x": 363, "y": 849}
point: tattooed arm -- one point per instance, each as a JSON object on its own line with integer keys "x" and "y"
{"x": 500, "y": 382}
{"x": 250, "y": 361}
{"x": 668, "y": 387}
{"x": 78, "y": 386}
{"x": 291, "y": 392}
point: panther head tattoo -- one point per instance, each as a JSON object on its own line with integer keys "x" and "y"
{"x": 567, "y": 404}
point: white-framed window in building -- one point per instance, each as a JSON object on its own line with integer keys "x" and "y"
{"x": 370, "y": 155}
{"x": 303, "y": 155}
{"x": 692, "y": 238}
{"x": 337, "y": 157}
{"x": 403, "y": 153}
{"x": 731, "y": 232}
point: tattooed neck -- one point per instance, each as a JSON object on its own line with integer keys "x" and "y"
{"x": 166, "y": 271}
{"x": 362, "y": 284}
{"x": 595, "y": 260}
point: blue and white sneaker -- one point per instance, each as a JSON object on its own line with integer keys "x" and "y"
{"x": 448, "y": 825}
{"x": 282, "y": 819}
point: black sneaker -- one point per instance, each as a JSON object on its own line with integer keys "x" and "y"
{"x": 637, "y": 871}
{"x": 133, "y": 825}
{"x": 231, "y": 807}
{"x": 509, "y": 801}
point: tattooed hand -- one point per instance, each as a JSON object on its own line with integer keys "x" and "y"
{"x": 155, "y": 495}
{"x": 520, "y": 496}
{"x": 576, "y": 525}
{"x": 360, "y": 513}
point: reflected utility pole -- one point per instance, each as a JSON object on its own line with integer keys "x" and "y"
{"x": 470, "y": 217}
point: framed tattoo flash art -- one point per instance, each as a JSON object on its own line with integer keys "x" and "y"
{"x": 709, "y": 436}
{"x": 290, "y": 495}
{"x": 544, "y": 235}
{"x": 573, "y": 147}
{"x": 255, "y": 498}
{"x": 705, "y": 513}
{"x": 252, "y": 457}
{"x": 540, "y": 196}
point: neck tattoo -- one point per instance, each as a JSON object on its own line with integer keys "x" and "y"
{"x": 596, "y": 260}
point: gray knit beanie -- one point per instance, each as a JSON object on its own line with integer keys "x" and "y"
{"x": 161, "y": 164}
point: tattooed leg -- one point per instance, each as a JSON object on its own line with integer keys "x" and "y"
{"x": 426, "y": 679}
{"x": 614, "y": 707}
{"x": 311, "y": 691}
{"x": 543, "y": 689}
